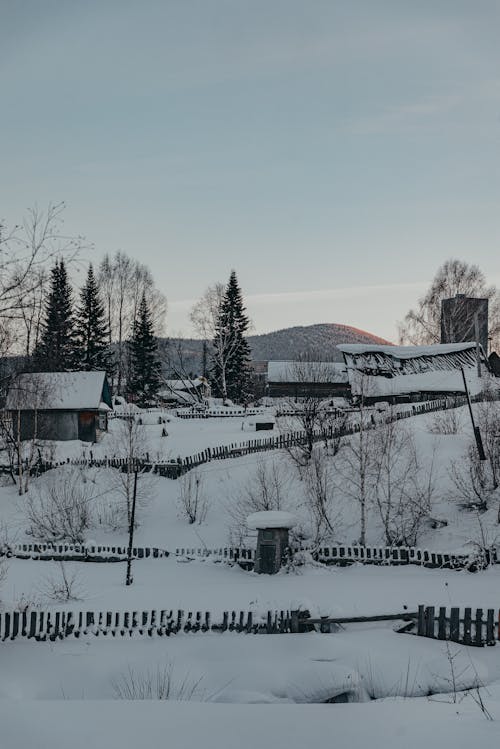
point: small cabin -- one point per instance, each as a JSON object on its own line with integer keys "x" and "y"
{"x": 59, "y": 405}
{"x": 307, "y": 379}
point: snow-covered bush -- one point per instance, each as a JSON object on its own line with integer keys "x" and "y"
{"x": 58, "y": 507}
{"x": 162, "y": 684}
{"x": 64, "y": 586}
{"x": 447, "y": 422}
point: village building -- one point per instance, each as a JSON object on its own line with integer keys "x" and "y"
{"x": 412, "y": 373}
{"x": 464, "y": 319}
{"x": 59, "y": 405}
{"x": 303, "y": 379}
{"x": 187, "y": 391}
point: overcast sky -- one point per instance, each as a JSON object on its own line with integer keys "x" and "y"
{"x": 334, "y": 153}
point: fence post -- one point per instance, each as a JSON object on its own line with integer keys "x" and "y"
{"x": 467, "y": 626}
{"x": 478, "y": 639}
{"x": 455, "y": 624}
{"x": 429, "y": 623}
{"x": 442, "y": 623}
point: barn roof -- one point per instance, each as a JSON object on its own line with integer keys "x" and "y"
{"x": 73, "y": 391}
{"x": 404, "y": 352}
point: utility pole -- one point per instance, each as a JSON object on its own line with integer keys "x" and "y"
{"x": 477, "y": 433}
{"x": 478, "y": 351}
{"x": 130, "y": 579}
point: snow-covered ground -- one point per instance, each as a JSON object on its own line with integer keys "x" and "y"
{"x": 367, "y": 662}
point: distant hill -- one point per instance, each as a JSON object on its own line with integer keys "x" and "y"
{"x": 312, "y": 340}
{"x": 287, "y": 344}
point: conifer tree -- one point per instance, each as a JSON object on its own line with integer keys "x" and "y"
{"x": 91, "y": 329}
{"x": 231, "y": 352}
{"x": 56, "y": 349}
{"x": 145, "y": 368}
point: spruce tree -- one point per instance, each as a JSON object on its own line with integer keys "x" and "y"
{"x": 56, "y": 349}
{"x": 91, "y": 329}
{"x": 145, "y": 369}
{"x": 231, "y": 357}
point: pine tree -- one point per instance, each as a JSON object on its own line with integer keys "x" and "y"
{"x": 56, "y": 349}
{"x": 145, "y": 369}
{"x": 231, "y": 357}
{"x": 91, "y": 329}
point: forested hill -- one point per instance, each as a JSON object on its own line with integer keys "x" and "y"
{"x": 314, "y": 340}
{"x": 288, "y": 344}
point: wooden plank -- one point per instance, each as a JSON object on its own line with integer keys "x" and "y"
{"x": 490, "y": 627}
{"x": 429, "y": 621}
{"x": 442, "y": 623}
{"x": 467, "y": 626}
{"x": 455, "y": 624}
{"x": 478, "y": 634}
{"x": 361, "y": 619}
{"x": 421, "y": 621}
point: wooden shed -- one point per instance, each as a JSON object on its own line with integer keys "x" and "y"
{"x": 59, "y": 405}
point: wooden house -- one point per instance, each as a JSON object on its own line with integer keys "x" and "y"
{"x": 59, "y": 405}
{"x": 306, "y": 379}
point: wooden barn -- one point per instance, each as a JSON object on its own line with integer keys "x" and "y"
{"x": 306, "y": 379}
{"x": 59, "y": 405}
{"x": 408, "y": 373}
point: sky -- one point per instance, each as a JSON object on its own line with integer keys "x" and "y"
{"x": 334, "y": 153}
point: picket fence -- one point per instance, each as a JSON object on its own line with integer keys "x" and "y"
{"x": 79, "y": 552}
{"x": 215, "y": 414}
{"x": 53, "y": 625}
{"x": 468, "y": 628}
{"x": 346, "y": 555}
{"x": 472, "y": 629}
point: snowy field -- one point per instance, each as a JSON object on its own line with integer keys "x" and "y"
{"x": 404, "y": 682}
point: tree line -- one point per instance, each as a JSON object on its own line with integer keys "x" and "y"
{"x": 113, "y": 321}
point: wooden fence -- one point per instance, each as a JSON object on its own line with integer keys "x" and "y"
{"x": 470, "y": 628}
{"x": 173, "y": 469}
{"x": 53, "y": 625}
{"x": 79, "y": 552}
{"x": 214, "y": 414}
{"x": 475, "y": 628}
{"x": 346, "y": 555}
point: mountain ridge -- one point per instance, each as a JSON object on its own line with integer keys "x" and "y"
{"x": 286, "y": 344}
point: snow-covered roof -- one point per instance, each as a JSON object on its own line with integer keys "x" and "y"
{"x": 184, "y": 384}
{"x": 306, "y": 371}
{"x": 74, "y": 391}
{"x": 404, "y": 352}
{"x": 271, "y": 519}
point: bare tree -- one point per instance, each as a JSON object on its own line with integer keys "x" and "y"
{"x": 178, "y": 368}
{"x": 25, "y": 252}
{"x": 403, "y": 489}
{"x": 422, "y": 325}
{"x": 206, "y": 312}
{"x": 21, "y": 425}
{"x": 192, "y": 499}
{"x": 266, "y": 488}
{"x": 131, "y": 444}
{"x": 308, "y": 408}
{"x": 123, "y": 281}
{"x": 356, "y": 464}
{"x": 477, "y": 481}
{"x": 322, "y": 493}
